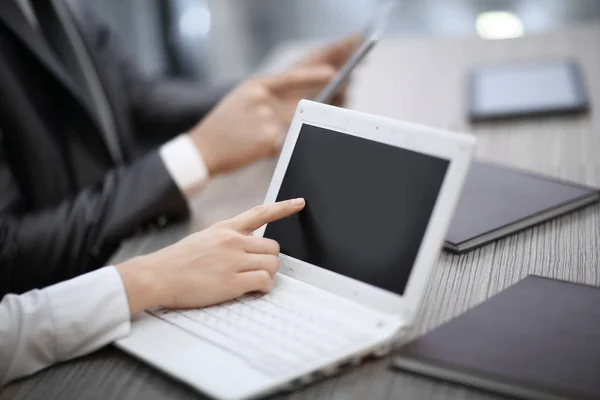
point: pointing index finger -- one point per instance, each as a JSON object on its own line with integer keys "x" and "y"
{"x": 253, "y": 219}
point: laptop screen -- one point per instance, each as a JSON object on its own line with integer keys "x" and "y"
{"x": 367, "y": 206}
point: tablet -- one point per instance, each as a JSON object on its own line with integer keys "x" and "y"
{"x": 370, "y": 36}
{"x": 526, "y": 89}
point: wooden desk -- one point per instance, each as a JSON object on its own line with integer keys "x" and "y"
{"x": 418, "y": 80}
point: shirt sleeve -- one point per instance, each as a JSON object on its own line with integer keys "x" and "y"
{"x": 185, "y": 164}
{"x": 67, "y": 320}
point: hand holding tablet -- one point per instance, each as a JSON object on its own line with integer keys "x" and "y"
{"x": 368, "y": 39}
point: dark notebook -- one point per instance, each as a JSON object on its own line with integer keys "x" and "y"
{"x": 497, "y": 201}
{"x": 538, "y": 339}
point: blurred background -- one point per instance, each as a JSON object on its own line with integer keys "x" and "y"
{"x": 219, "y": 40}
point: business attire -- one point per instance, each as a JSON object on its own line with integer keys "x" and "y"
{"x": 72, "y": 181}
{"x": 76, "y": 122}
{"x": 66, "y": 320}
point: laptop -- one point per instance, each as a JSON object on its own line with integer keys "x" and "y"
{"x": 355, "y": 262}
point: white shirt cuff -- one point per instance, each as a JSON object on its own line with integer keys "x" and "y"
{"x": 185, "y": 164}
{"x": 88, "y": 312}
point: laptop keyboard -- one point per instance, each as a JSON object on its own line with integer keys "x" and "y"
{"x": 278, "y": 332}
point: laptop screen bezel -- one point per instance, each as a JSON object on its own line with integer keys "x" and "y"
{"x": 456, "y": 148}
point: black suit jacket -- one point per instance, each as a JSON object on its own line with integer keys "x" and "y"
{"x": 64, "y": 205}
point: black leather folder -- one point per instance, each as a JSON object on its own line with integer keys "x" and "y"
{"x": 538, "y": 339}
{"x": 497, "y": 201}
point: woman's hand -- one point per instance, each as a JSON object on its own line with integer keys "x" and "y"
{"x": 209, "y": 267}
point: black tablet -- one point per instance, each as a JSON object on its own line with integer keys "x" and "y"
{"x": 526, "y": 89}
{"x": 370, "y": 37}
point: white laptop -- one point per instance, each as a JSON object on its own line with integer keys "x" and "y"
{"x": 355, "y": 262}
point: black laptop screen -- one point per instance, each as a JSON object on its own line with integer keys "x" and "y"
{"x": 367, "y": 206}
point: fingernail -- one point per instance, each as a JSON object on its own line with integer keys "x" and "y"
{"x": 298, "y": 202}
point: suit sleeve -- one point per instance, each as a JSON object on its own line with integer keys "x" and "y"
{"x": 39, "y": 248}
{"x": 67, "y": 320}
{"x": 161, "y": 107}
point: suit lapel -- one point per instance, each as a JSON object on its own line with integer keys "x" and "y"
{"x": 12, "y": 17}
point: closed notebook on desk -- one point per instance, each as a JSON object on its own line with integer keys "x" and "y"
{"x": 498, "y": 201}
{"x": 538, "y": 339}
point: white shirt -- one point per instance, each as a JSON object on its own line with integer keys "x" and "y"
{"x": 76, "y": 317}
{"x": 63, "y": 321}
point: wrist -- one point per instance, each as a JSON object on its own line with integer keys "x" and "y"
{"x": 141, "y": 286}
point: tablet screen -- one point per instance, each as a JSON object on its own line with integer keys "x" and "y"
{"x": 367, "y": 206}
{"x": 527, "y": 88}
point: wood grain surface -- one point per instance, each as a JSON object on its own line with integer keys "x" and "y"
{"x": 420, "y": 80}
